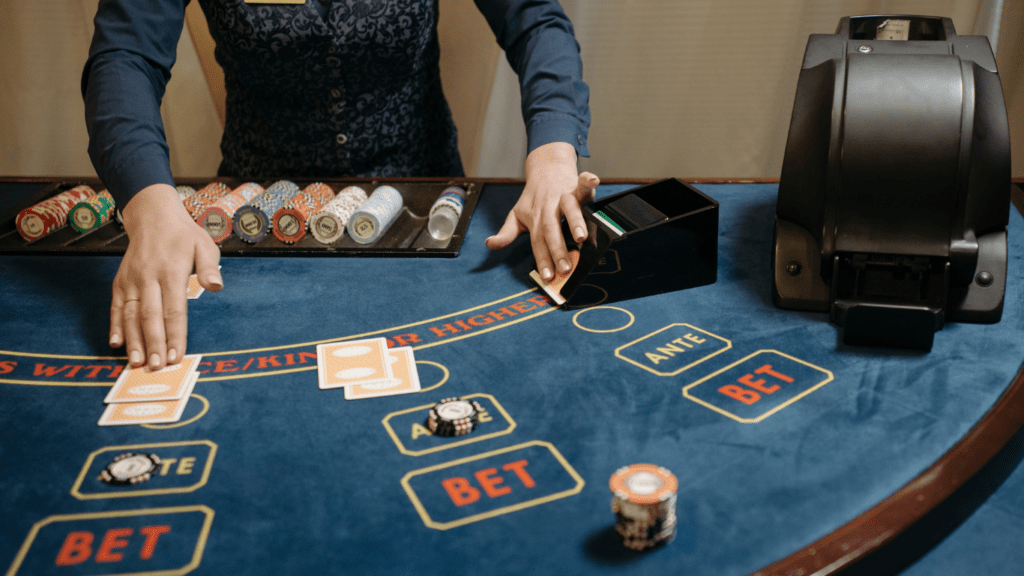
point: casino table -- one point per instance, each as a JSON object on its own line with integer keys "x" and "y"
{"x": 861, "y": 460}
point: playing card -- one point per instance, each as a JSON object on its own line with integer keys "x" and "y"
{"x": 194, "y": 289}
{"x": 162, "y": 412}
{"x": 355, "y": 362}
{"x": 553, "y": 287}
{"x": 143, "y": 384}
{"x": 405, "y": 378}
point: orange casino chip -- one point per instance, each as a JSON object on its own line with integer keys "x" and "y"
{"x": 643, "y": 484}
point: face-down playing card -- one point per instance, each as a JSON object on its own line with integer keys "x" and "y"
{"x": 341, "y": 364}
{"x": 404, "y": 381}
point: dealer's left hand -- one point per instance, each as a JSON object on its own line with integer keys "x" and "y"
{"x": 553, "y": 190}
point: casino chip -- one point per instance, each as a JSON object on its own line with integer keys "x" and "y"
{"x": 291, "y": 221}
{"x": 252, "y": 222}
{"x": 373, "y": 218}
{"x": 50, "y": 215}
{"x": 217, "y": 218}
{"x": 644, "y": 503}
{"x": 93, "y": 212}
{"x": 130, "y": 468}
{"x": 454, "y": 417}
{"x": 328, "y": 225}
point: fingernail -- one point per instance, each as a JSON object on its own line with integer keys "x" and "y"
{"x": 563, "y": 266}
{"x": 172, "y": 356}
{"x": 115, "y": 341}
{"x": 217, "y": 281}
{"x": 579, "y": 233}
{"x": 546, "y": 273}
{"x": 154, "y": 361}
{"x": 134, "y": 358}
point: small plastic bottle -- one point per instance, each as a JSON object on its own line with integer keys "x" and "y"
{"x": 445, "y": 213}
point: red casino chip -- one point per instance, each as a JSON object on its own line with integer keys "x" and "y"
{"x": 50, "y": 215}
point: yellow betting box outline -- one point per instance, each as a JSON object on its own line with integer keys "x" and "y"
{"x": 686, "y": 389}
{"x": 618, "y": 351}
{"x": 527, "y": 316}
{"x": 468, "y": 440}
{"x": 197, "y": 554}
{"x": 76, "y": 488}
{"x": 498, "y": 511}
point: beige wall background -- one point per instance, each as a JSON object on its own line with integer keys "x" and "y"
{"x": 682, "y": 88}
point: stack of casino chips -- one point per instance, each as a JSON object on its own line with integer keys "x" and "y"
{"x": 205, "y": 196}
{"x": 218, "y": 217}
{"x": 130, "y": 468}
{"x": 93, "y": 212}
{"x": 253, "y": 221}
{"x": 184, "y": 192}
{"x": 328, "y": 225}
{"x": 50, "y": 215}
{"x": 454, "y": 417}
{"x": 373, "y": 218}
{"x": 644, "y": 503}
{"x": 292, "y": 220}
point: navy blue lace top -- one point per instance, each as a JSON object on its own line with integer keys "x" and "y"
{"x": 321, "y": 89}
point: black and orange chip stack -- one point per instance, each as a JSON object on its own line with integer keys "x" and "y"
{"x": 291, "y": 221}
{"x": 205, "y": 197}
{"x": 50, "y": 215}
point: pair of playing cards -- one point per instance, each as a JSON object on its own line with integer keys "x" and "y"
{"x": 367, "y": 368}
{"x": 144, "y": 396}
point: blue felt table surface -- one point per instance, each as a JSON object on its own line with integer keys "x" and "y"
{"x": 307, "y": 482}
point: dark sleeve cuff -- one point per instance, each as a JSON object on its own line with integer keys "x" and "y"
{"x": 148, "y": 166}
{"x": 545, "y": 128}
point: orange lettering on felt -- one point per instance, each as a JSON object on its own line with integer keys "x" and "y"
{"x": 7, "y": 366}
{"x": 519, "y": 467}
{"x": 540, "y": 300}
{"x": 225, "y": 366}
{"x": 152, "y": 533}
{"x": 267, "y": 362}
{"x": 439, "y": 332}
{"x": 735, "y": 392}
{"x": 407, "y": 339}
{"x": 481, "y": 320}
{"x": 50, "y": 371}
{"x": 115, "y": 371}
{"x": 767, "y": 369}
{"x": 307, "y": 357}
{"x": 501, "y": 314}
{"x": 757, "y": 384}
{"x": 94, "y": 371}
{"x": 77, "y": 548}
{"x": 489, "y": 479}
{"x": 460, "y": 491}
{"x": 522, "y": 307}
{"x": 113, "y": 539}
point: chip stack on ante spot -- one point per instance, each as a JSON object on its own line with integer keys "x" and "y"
{"x": 554, "y": 287}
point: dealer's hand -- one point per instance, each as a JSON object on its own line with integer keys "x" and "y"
{"x": 553, "y": 190}
{"x": 148, "y": 309}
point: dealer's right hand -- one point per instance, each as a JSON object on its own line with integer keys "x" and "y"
{"x": 148, "y": 308}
